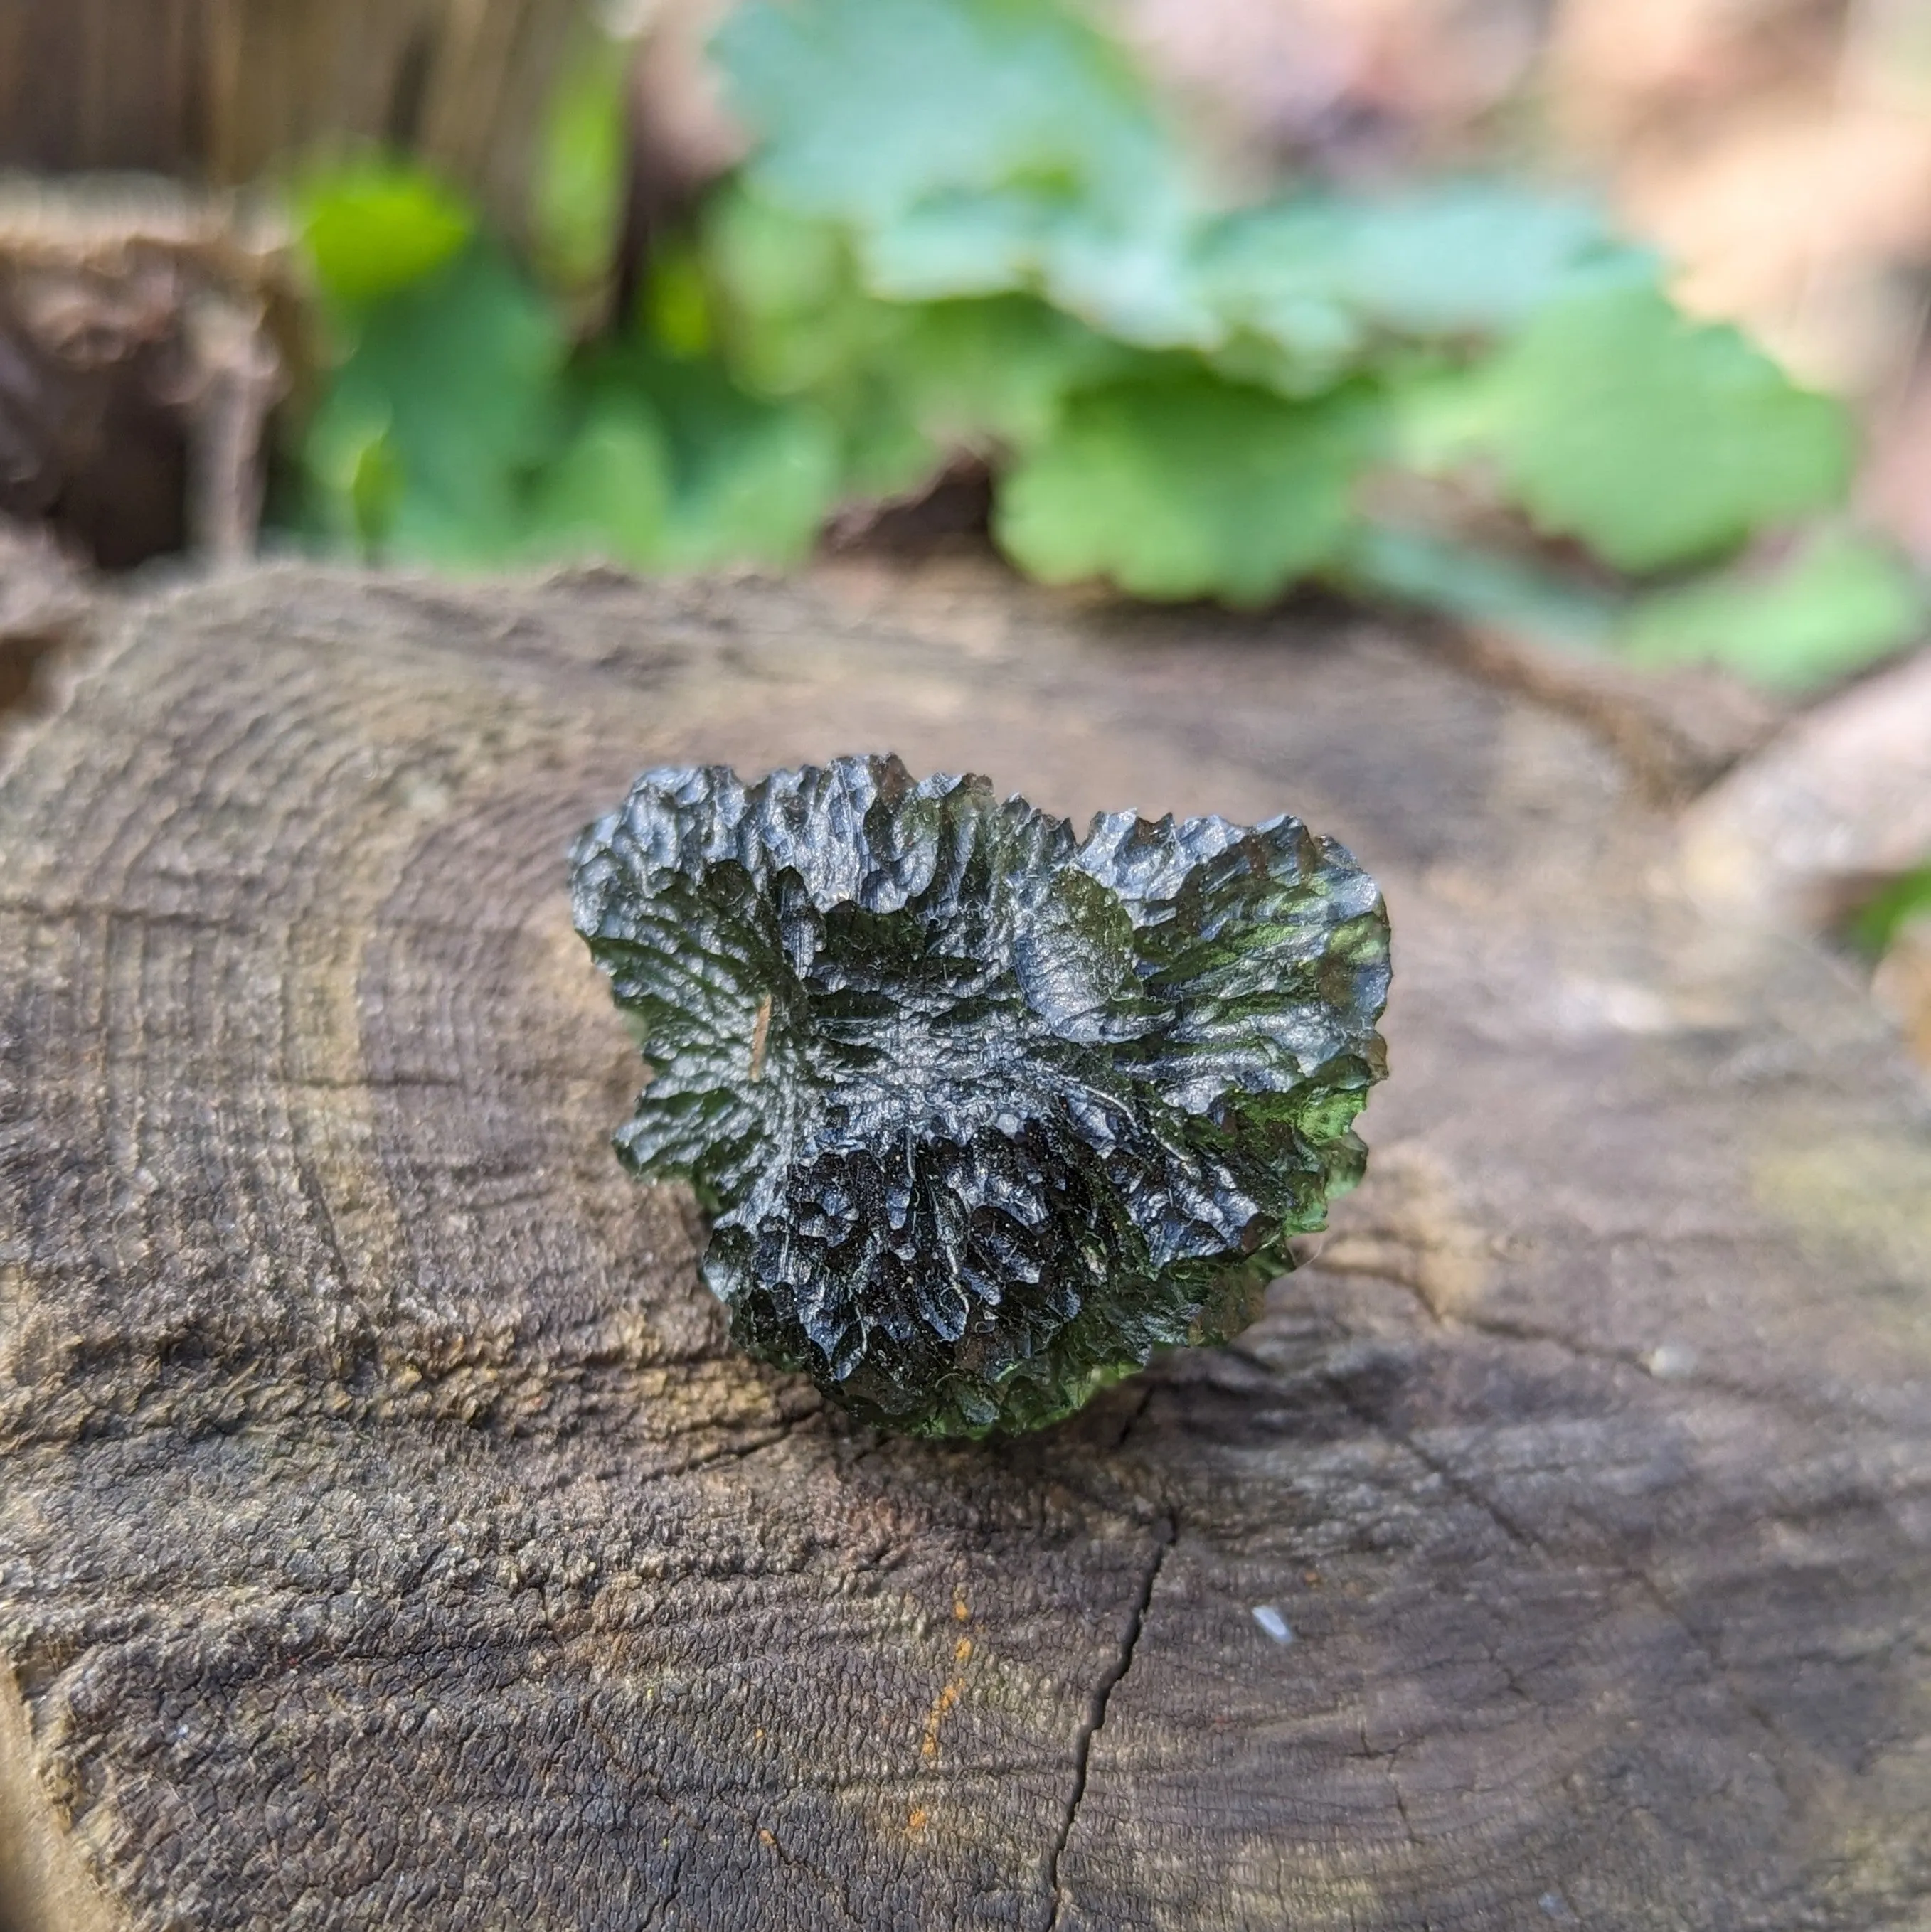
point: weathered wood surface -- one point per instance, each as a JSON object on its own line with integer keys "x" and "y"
{"x": 389, "y": 1537}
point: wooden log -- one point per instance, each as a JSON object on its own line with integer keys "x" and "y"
{"x": 390, "y": 1536}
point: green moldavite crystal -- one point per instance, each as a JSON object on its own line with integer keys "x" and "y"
{"x": 983, "y": 1113}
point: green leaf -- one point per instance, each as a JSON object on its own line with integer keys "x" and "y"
{"x": 792, "y": 315}
{"x": 992, "y": 374}
{"x": 1311, "y": 285}
{"x": 1417, "y": 567}
{"x": 761, "y": 495}
{"x": 867, "y": 107}
{"x": 676, "y": 306}
{"x": 351, "y": 476}
{"x": 974, "y": 147}
{"x": 608, "y": 494}
{"x": 456, "y": 377}
{"x": 793, "y": 321}
{"x": 1840, "y": 602}
{"x": 1657, "y": 440}
{"x": 374, "y": 227}
{"x": 913, "y": 383}
{"x": 576, "y": 202}
{"x": 748, "y": 480}
{"x": 1178, "y": 484}
{"x": 1127, "y": 272}
{"x": 1879, "y": 921}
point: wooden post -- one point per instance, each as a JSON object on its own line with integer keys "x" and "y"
{"x": 221, "y": 91}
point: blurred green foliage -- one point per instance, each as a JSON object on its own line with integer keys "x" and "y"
{"x": 1885, "y": 915}
{"x": 1175, "y": 482}
{"x": 370, "y": 229}
{"x": 966, "y": 230}
{"x": 444, "y": 402}
{"x": 1836, "y": 601}
{"x": 576, "y": 200}
{"x": 462, "y": 428}
{"x": 1652, "y": 440}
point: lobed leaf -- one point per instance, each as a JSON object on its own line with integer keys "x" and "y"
{"x": 456, "y": 377}
{"x": 971, "y": 147}
{"x": 1657, "y": 440}
{"x": 375, "y": 226}
{"x": 746, "y": 480}
{"x": 1310, "y": 287}
{"x": 1176, "y": 484}
{"x": 607, "y": 494}
{"x": 1836, "y": 604}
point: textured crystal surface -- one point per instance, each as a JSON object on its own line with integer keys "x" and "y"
{"x": 983, "y": 1113}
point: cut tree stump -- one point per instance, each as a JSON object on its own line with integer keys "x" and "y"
{"x": 389, "y": 1537}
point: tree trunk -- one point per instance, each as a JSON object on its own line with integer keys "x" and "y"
{"x": 390, "y": 1538}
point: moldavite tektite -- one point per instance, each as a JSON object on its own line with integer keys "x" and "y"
{"x": 983, "y": 1113}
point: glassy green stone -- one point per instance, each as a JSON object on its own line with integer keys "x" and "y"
{"x": 983, "y": 1113}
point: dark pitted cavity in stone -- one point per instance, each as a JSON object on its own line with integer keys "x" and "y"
{"x": 983, "y": 1113}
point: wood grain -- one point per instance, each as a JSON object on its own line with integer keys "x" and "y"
{"x": 389, "y": 1537}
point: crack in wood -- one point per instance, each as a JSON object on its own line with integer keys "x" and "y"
{"x": 1096, "y": 1715}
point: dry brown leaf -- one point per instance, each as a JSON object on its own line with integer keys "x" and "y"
{"x": 1619, "y": 69}
{"x": 1275, "y": 77}
{"x": 1795, "y": 219}
{"x": 1902, "y": 987}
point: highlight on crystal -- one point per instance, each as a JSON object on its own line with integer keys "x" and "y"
{"x": 982, "y": 1112}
